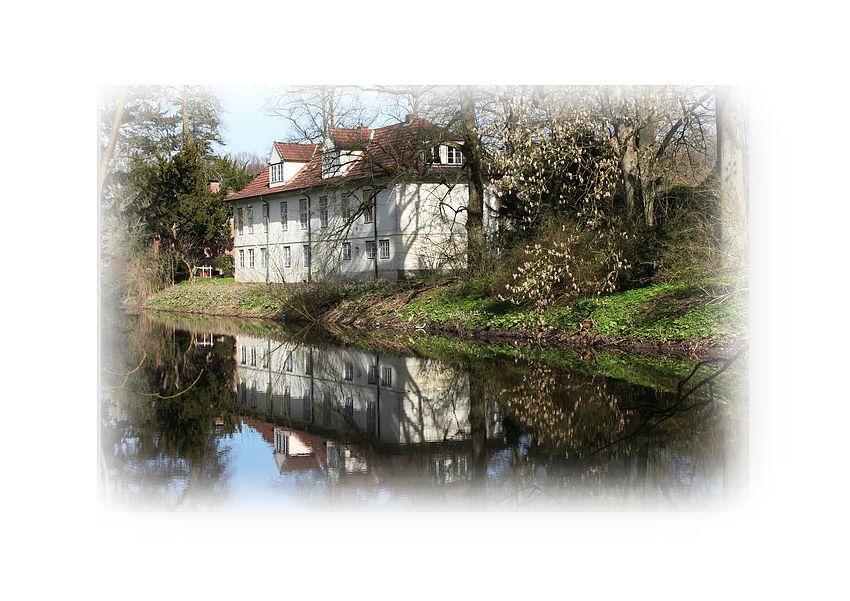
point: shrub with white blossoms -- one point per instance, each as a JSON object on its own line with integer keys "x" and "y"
{"x": 556, "y": 160}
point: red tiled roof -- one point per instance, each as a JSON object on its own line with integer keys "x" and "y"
{"x": 394, "y": 149}
{"x": 299, "y": 153}
{"x": 348, "y": 139}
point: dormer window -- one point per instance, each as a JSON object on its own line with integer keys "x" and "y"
{"x": 444, "y": 154}
{"x": 330, "y": 163}
{"x": 276, "y": 173}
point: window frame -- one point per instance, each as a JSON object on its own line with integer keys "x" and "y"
{"x": 345, "y": 205}
{"x": 308, "y": 256}
{"x": 386, "y": 376}
{"x": 381, "y": 248}
{"x": 251, "y": 258}
{"x": 346, "y": 251}
{"x": 371, "y": 250}
{"x": 369, "y": 210}
{"x": 284, "y": 215}
{"x": 303, "y": 213}
{"x": 276, "y": 173}
{"x": 287, "y": 256}
{"x": 323, "y": 211}
{"x": 250, "y": 213}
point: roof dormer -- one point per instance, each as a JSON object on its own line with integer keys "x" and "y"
{"x": 286, "y": 159}
{"x": 342, "y": 147}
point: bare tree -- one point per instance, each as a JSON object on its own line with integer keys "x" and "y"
{"x": 311, "y": 111}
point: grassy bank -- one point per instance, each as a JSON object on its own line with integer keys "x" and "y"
{"x": 694, "y": 319}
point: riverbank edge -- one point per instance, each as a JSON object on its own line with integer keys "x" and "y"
{"x": 387, "y": 307}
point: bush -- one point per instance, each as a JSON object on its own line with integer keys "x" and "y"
{"x": 307, "y": 301}
{"x": 225, "y": 263}
{"x": 561, "y": 261}
{"x": 688, "y": 244}
{"x": 146, "y": 274}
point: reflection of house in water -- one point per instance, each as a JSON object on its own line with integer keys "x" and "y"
{"x": 335, "y": 408}
{"x": 392, "y": 400}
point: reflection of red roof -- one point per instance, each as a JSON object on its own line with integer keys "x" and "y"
{"x": 393, "y": 149}
{"x": 299, "y": 153}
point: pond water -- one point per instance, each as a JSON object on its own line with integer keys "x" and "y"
{"x": 217, "y": 414}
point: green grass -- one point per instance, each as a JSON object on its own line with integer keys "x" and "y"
{"x": 661, "y": 312}
{"x": 218, "y": 299}
{"x": 209, "y": 282}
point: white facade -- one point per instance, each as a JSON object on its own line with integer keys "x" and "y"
{"x": 415, "y": 228}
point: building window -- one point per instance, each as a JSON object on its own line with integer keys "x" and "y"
{"x": 345, "y": 205}
{"x": 240, "y": 220}
{"x": 348, "y": 406}
{"x": 241, "y": 258}
{"x": 370, "y": 249}
{"x": 385, "y": 249}
{"x": 244, "y": 355}
{"x": 308, "y": 363}
{"x": 372, "y": 375}
{"x": 264, "y": 256}
{"x": 369, "y": 204}
{"x": 250, "y": 220}
{"x": 287, "y": 365}
{"x": 346, "y": 251}
{"x": 302, "y": 209}
{"x": 284, "y": 216}
{"x": 276, "y": 173}
{"x": 307, "y": 255}
{"x": 265, "y": 359}
{"x": 445, "y": 155}
{"x": 323, "y": 211}
{"x": 287, "y": 256}
{"x": 265, "y": 219}
{"x": 251, "y": 258}
{"x": 281, "y": 441}
{"x": 386, "y": 377}
{"x": 253, "y": 356}
{"x": 330, "y": 163}
{"x": 348, "y": 372}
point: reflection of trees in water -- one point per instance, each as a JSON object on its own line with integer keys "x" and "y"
{"x": 593, "y": 438}
{"x": 162, "y": 396}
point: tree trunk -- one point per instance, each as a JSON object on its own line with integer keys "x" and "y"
{"x": 475, "y": 176}
{"x": 628, "y": 173}
{"x": 731, "y": 164}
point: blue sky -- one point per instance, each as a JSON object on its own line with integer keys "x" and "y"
{"x": 246, "y": 126}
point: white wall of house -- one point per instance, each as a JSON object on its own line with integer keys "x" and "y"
{"x": 421, "y": 225}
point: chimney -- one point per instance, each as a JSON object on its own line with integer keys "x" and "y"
{"x": 408, "y": 118}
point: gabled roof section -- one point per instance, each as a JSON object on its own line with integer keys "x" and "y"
{"x": 392, "y": 150}
{"x": 298, "y": 153}
{"x": 350, "y": 138}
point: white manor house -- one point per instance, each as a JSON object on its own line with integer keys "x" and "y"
{"x": 364, "y": 204}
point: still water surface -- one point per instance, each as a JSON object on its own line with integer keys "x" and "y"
{"x": 220, "y": 414}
